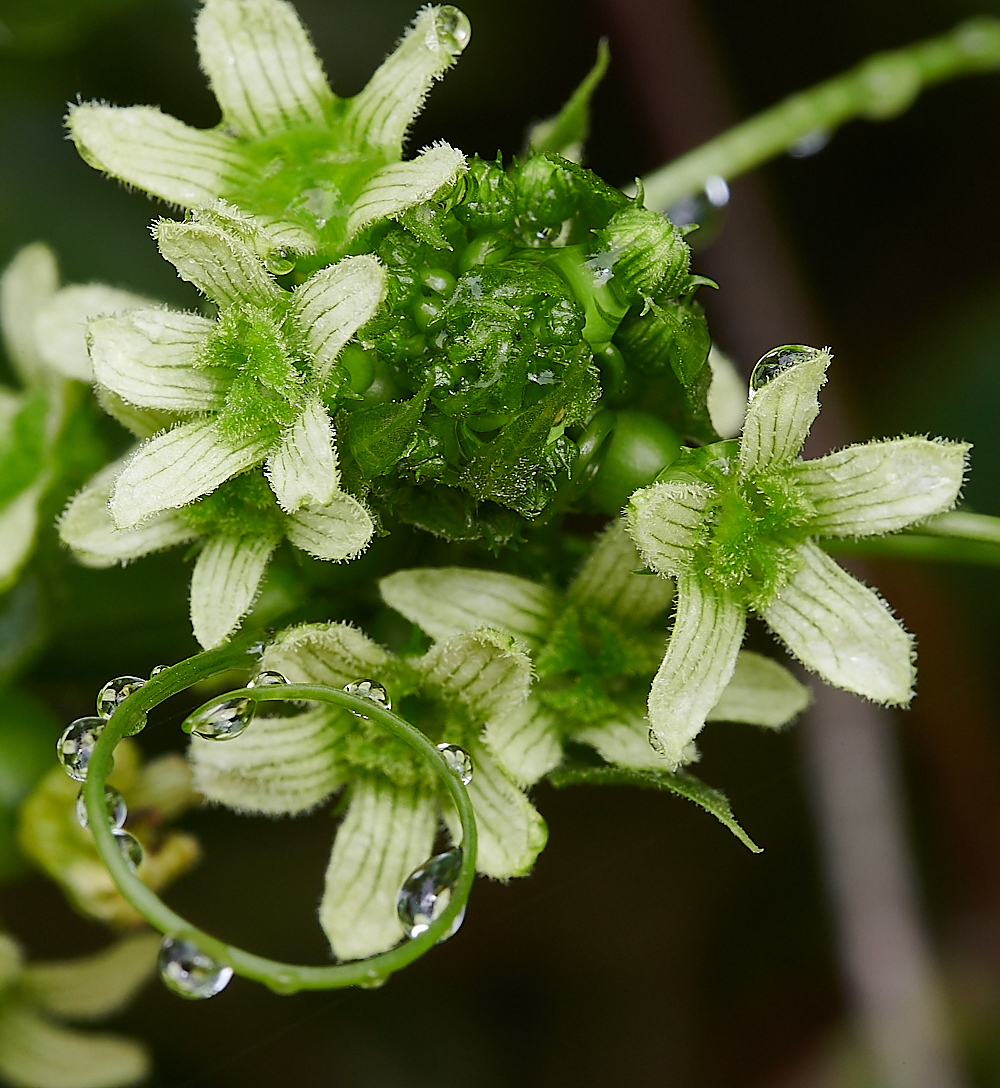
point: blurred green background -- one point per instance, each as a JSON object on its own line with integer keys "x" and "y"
{"x": 648, "y": 947}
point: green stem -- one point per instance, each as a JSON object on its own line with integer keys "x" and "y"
{"x": 280, "y": 977}
{"x": 958, "y": 537}
{"x": 878, "y": 88}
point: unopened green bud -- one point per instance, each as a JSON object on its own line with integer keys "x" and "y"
{"x": 645, "y": 253}
{"x": 547, "y": 192}
{"x": 489, "y": 197}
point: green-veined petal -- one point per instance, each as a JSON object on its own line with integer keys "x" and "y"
{"x": 395, "y": 188}
{"x": 700, "y": 659}
{"x": 666, "y": 522}
{"x": 839, "y": 628}
{"x": 303, "y": 469}
{"x": 882, "y": 486}
{"x": 387, "y": 833}
{"x": 157, "y": 153}
{"x": 141, "y": 422}
{"x": 484, "y": 670}
{"x": 177, "y": 467}
{"x": 337, "y": 531}
{"x": 148, "y": 358}
{"x": 727, "y": 395}
{"x": 27, "y": 284}
{"x": 760, "y": 692}
{"x": 18, "y": 525}
{"x": 448, "y": 601}
{"x": 261, "y": 66}
{"x": 623, "y": 740}
{"x": 325, "y": 653}
{"x": 526, "y": 741}
{"x": 224, "y": 584}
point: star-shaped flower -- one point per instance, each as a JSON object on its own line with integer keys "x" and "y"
{"x": 460, "y": 692}
{"x": 37, "y": 1050}
{"x": 735, "y": 524}
{"x": 317, "y": 168}
{"x": 233, "y": 393}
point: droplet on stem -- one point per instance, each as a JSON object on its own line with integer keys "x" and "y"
{"x": 426, "y": 893}
{"x": 267, "y": 679}
{"x": 76, "y": 745}
{"x": 371, "y": 690}
{"x": 116, "y": 691}
{"x": 221, "y": 721}
{"x": 157, "y": 669}
{"x": 130, "y": 847}
{"x": 189, "y": 972}
{"x": 458, "y": 760}
{"x": 114, "y": 804}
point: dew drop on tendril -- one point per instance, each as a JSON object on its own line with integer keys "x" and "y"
{"x": 130, "y": 847}
{"x": 189, "y": 972}
{"x": 76, "y": 746}
{"x": 267, "y": 679}
{"x": 116, "y": 691}
{"x": 222, "y": 721}
{"x": 776, "y": 362}
{"x": 458, "y": 760}
{"x": 426, "y": 893}
{"x": 371, "y": 690}
{"x": 114, "y": 804}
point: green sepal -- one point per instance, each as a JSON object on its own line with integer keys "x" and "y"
{"x": 377, "y": 438}
{"x": 566, "y": 133}
{"x": 680, "y": 782}
{"x": 22, "y": 448}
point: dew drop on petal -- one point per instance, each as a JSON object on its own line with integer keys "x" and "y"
{"x": 776, "y": 362}
{"x": 188, "y": 972}
{"x": 222, "y": 721}
{"x": 116, "y": 691}
{"x": 130, "y": 847}
{"x": 76, "y": 745}
{"x": 280, "y": 262}
{"x": 371, "y": 690}
{"x": 114, "y": 803}
{"x": 266, "y": 679}
{"x": 458, "y": 760}
{"x": 453, "y": 27}
{"x": 426, "y": 892}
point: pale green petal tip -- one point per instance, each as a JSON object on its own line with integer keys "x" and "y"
{"x": 27, "y": 284}
{"x": 303, "y": 469}
{"x": 225, "y": 583}
{"x": 338, "y": 531}
{"x": 761, "y": 692}
{"x": 666, "y": 523}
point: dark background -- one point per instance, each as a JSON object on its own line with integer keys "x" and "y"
{"x": 648, "y": 947}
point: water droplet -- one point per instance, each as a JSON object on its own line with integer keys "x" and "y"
{"x": 458, "y": 760}
{"x": 130, "y": 847}
{"x": 453, "y": 28}
{"x": 267, "y": 679}
{"x": 221, "y": 721}
{"x": 76, "y": 746}
{"x": 114, "y": 803}
{"x": 376, "y": 982}
{"x": 186, "y": 970}
{"x": 116, "y": 691}
{"x": 810, "y": 143}
{"x": 656, "y": 744}
{"x": 157, "y": 670}
{"x": 426, "y": 892}
{"x": 706, "y": 209}
{"x": 776, "y": 362}
{"x": 371, "y": 690}
{"x": 280, "y": 262}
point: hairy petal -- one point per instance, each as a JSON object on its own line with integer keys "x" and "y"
{"x": 482, "y": 669}
{"x": 395, "y": 188}
{"x": 281, "y": 766}
{"x": 86, "y": 526}
{"x": 839, "y": 628}
{"x": 780, "y": 414}
{"x": 511, "y": 832}
{"x": 380, "y": 115}
{"x": 700, "y": 659}
{"x": 157, "y": 153}
{"x": 142, "y": 422}
{"x": 883, "y": 486}
{"x": 334, "y": 303}
{"x": 526, "y": 741}
{"x": 148, "y": 358}
{"x": 61, "y": 325}
{"x": 93, "y": 986}
{"x": 262, "y": 66}
{"x": 37, "y": 1053}
{"x": 760, "y": 692}
{"x": 607, "y": 581}
{"x": 225, "y": 583}
{"x": 177, "y": 467}
{"x": 339, "y": 530}
{"x": 449, "y": 601}
{"x": 387, "y": 833}
{"x": 623, "y": 740}
{"x": 303, "y": 469}
{"x": 218, "y": 263}
{"x": 666, "y": 523}
{"x": 27, "y": 284}
{"x": 325, "y": 653}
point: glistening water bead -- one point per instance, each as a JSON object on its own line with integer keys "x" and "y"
{"x": 776, "y": 362}
{"x": 426, "y": 893}
{"x": 130, "y": 847}
{"x": 371, "y": 690}
{"x": 222, "y": 721}
{"x": 454, "y": 25}
{"x": 75, "y": 747}
{"x": 116, "y": 691}
{"x": 267, "y": 679}
{"x": 114, "y": 805}
{"x": 186, "y": 970}
{"x": 458, "y": 760}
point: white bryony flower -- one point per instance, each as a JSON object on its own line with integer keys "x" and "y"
{"x": 38, "y": 1052}
{"x": 464, "y": 691}
{"x": 44, "y": 335}
{"x": 318, "y": 169}
{"x": 735, "y": 524}
{"x": 247, "y": 388}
